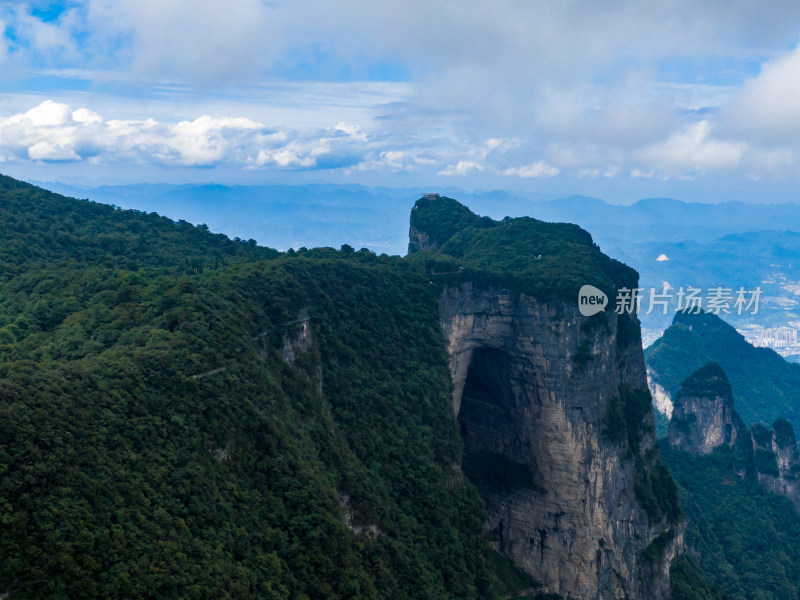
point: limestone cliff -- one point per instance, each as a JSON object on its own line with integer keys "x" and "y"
{"x": 662, "y": 401}
{"x": 703, "y": 417}
{"x": 776, "y": 459}
{"x": 558, "y": 432}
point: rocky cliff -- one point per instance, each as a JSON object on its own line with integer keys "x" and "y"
{"x": 703, "y": 417}
{"x": 557, "y": 425}
{"x": 776, "y": 460}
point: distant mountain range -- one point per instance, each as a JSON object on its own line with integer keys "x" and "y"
{"x": 352, "y": 213}
{"x": 731, "y": 244}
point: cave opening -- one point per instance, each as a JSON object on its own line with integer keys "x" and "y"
{"x": 487, "y": 425}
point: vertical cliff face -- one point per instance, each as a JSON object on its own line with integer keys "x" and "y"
{"x": 703, "y": 417}
{"x": 531, "y": 391}
{"x": 556, "y": 419}
{"x": 662, "y": 401}
{"x": 776, "y": 459}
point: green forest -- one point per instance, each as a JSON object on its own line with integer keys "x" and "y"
{"x": 169, "y": 430}
{"x": 121, "y": 474}
{"x": 765, "y": 386}
{"x": 743, "y": 538}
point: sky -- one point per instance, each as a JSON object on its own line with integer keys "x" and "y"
{"x": 616, "y": 99}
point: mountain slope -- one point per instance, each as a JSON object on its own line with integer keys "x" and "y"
{"x": 174, "y": 426}
{"x": 186, "y": 416}
{"x": 553, "y": 406}
{"x": 765, "y": 386}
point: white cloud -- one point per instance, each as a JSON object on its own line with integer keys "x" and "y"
{"x": 462, "y": 167}
{"x": 644, "y": 91}
{"x": 536, "y": 169}
{"x": 50, "y": 152}
{"x": 767, "y": 107}
{"x": 47, "y": 38}
{"x": 204, "y": 41}
{"x": 694, "y": 149}
{"x": 84, "y": 115}
{"x": 53, "y": 131}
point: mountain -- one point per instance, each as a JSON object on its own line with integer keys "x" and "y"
{"x": 188, "y": 416}
{"x": 183, "y": 415}
{"x": 766, "y": 260}
{"x": 552, "y": 406}
{"x": 703, "y": 418}
{"x": 292, "y": 216}
{"x": 765, "y": 386}
{"x": 738, "y": 487}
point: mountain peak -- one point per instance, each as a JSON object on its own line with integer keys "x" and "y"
{"x": 703, "y": 417}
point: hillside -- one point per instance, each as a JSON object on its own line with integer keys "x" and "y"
{"x": 311, "y": 466}
{"x": 182, "y": 415}
{"x": 765, "y": 386}
{"x": 743, "y": 537}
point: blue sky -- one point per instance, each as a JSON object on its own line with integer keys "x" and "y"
{"x": 618, "y": 99}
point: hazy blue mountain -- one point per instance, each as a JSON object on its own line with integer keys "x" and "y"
{"x": 320, "y": 212}
{"x": 707, "y": 244}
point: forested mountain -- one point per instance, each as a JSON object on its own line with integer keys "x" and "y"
{"x": 765, "y": 386}
{"x": 122, "y": 474}
{"x": 186, "y": 416}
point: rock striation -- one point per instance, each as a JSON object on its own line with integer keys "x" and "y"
{"x": 558, "y": 436}
{"x": 776, "y": 462}
{"x": 703, "y": 417}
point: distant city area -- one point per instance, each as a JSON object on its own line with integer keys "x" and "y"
{"x": 784, "y": 340}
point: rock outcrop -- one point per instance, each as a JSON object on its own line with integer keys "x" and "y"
{"x": 703, "y": 417}
{"x": 553, "y": 406}
{"x": 776, "y": 460}
{"x": 532, "y": 390}
{"x": 662, "y": 401}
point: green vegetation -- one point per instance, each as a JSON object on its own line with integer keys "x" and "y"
{"x": 742, "y": 537}
{"x": 510, "y": 580}
{"x": 657, "y": 492}
{"x": 765, "y": 387}
{"x": 654, "y": 552}
{"x": 784, "y": 433}
{"x": 708, "y": 380}
{"x": 582, "y": 356}
{"x": 625, "y": 421}
{"x": 545, "y": 260}
{"x": 690, "y": 583}
{"x": 441, "y": 218}
{"x": 122, "y": 475}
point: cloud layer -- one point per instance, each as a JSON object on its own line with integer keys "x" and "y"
{"x": 526, "y": 91}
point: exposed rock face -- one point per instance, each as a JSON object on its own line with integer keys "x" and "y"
{"x": 300, "y": 341}
{"x": 703, "y": 417}
{"x": 662, "y": 401}
{"x": 420, "y": 240}
{"x": 532, "y": 386}
{"x": 776, "y": 459}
